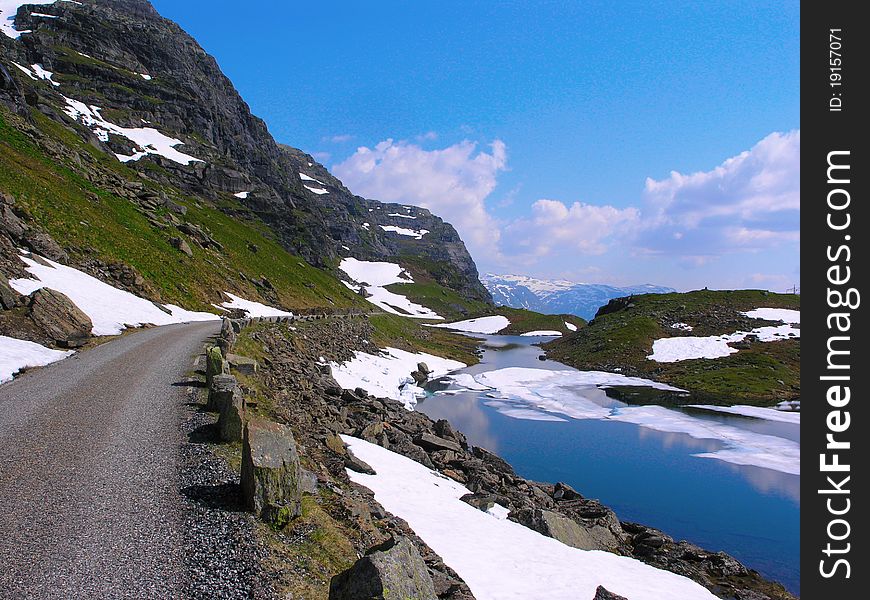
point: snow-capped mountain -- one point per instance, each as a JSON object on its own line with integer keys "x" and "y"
{"x": 559, "y": 296}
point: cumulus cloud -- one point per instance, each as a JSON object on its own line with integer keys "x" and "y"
{"x": 579, "y": 228}
{"x": 452, "y": 182}
{"x": 748, "y": 203}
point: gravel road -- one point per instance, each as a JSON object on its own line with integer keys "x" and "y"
{"x": 90, "y": 471}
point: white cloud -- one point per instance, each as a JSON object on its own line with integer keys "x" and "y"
{"x": 553, "y": 226}
{"x": 427, "y": 137}
{"x": 750, "y": 202}
{"x": 452, "y": 182}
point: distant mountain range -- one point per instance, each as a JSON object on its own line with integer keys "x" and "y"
{"x": 559, "y": 296}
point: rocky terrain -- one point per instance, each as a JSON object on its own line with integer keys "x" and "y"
{"x": 118, "y": 67}
{"x": 293, "y": 386}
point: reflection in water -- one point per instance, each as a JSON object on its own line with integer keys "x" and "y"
{"x": 646, "y": 475}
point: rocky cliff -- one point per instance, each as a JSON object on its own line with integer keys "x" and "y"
{"x": 136, "y": 86}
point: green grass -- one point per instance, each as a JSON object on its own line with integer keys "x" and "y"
{"x": 96, "y": 224}
{"x": 411, "y": 335}
{"x": 524, "y": 321}
{"x": 763, "y": 374}
{"x": 444, "y": 301}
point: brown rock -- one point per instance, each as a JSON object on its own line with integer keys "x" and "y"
{"x": 60, "y": 318}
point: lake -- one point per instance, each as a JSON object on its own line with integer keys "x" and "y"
{"x": 645, "y": 474}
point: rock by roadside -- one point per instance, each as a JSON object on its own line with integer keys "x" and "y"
{"x": 306, "y": 397}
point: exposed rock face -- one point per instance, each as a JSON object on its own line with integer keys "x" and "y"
{"x": 8, "y": 296}
{"x": 62, "y": 320}
{"x": 271, "y": 473}
{"x": 391, "y": 571}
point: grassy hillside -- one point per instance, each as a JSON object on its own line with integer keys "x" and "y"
{"x": 97, "y": 223}
{"x": 622, "y": 334}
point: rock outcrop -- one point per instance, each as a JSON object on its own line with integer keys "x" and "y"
{"x": 60, "y": 318}
{"x": 391, "y": 571}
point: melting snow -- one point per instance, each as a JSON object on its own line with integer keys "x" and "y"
{"x": 16, "y": 355}
{"x": 525, "y": 393}
{"x": 487, "y": 325}
{"x": 716, "y": 346}
{"x": 147, "y": 139}
{"x": 570, "y": 326}
{"x": 497, "y": 558}
{"x": 254, "y": 309}
{"x": 38, "y": 73}
{"x": 242, "y": 195}
{"x": 770, "y": 414}
{"x": 682, "y": 326}
{"x": 401, "y": 215}
{"x": 111, "y": 310}
{"x": 374, "y": 276}
{"x": 8, "y": 10}
{"x": 365, "y": 226}
{"x": 407, "y": 232}
{"x": 388, "y": 375}
{"x": 305, "y": 177}
{"x": 318, "y": 191}
{"x": 542, "y": 333}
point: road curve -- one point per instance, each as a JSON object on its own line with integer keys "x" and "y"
{"x": 89, "y": 448}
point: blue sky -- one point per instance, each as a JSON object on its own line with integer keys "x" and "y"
{"x": 501, "y": 116}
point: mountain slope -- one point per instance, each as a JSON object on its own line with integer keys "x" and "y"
{"x": 112, "y": 100}
{"x": 558, "y": 296}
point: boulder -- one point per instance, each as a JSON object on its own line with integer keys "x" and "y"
{"x": 271, "y": 475}
{"x": 355, "y": 464}
{"x": 242, "y": 364}
{"x": 181, "y": 245}
{"x": 8, "y": 296}
{"x": 602, "y": 594}
{"x": 424, "y": 368}
{"x": 220, "y": 392}
{"x": 231, "y": 421}
{"x": 569, "y": 532}
{"x": 60, "y": 318}
{"x": 393, "y": 570}
{"x": 214, "y": 361}
{"x": 431, "y": 442}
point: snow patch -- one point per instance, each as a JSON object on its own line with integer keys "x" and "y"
{"x": 254, "y": 309}
{"x": 682, "y": 326}
{"x": 487, "y": 325}
{"x": 401, "y": 216}
{"x": 417, "y": 235}
{"x": 497, "y": 558}
{"x": 542, "y": 333}
{"x": 242, "y": 195}
{"x": 388, "y": 374}
{"x": 38, "y": 73}
{"x": 318, "y": 191}
{"x": 8, "y": 10}
{"x": 373, "y": 276}
{"x": 147, "y": 139}
{"x": 111, "y": 310}
{"x": 16, "y": 355}
{"x": 570, "y": 326}
{"x": 305, "y": 177}
{"x": 775, "y": 314}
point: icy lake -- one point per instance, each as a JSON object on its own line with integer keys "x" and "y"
{"x": 697, "y": 475}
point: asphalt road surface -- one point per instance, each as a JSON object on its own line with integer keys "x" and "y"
{"x": 89, "y": 448}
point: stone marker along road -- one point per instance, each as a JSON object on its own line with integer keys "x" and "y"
{"x": 90, "y": 505}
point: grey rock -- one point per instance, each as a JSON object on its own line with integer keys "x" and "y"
{"x": 356, "y": 464}
{"x": 242, "y": 364}
{"x": 60, "y": 318}
{"x": 271, "y": 475}
{"x": 392, "y": 571}
{"x": 424, "y": 368}
{"x": 602, "y": 594}
{"x": 213, "y": 364}
{"x": 231, "y": 421}
{"x": 181, "y": 245}
{"x": 8, "y": 297}
{"x": 220, "y": 392}
{"x": 432, "y": 442}
{"x": 569, "y": 532}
